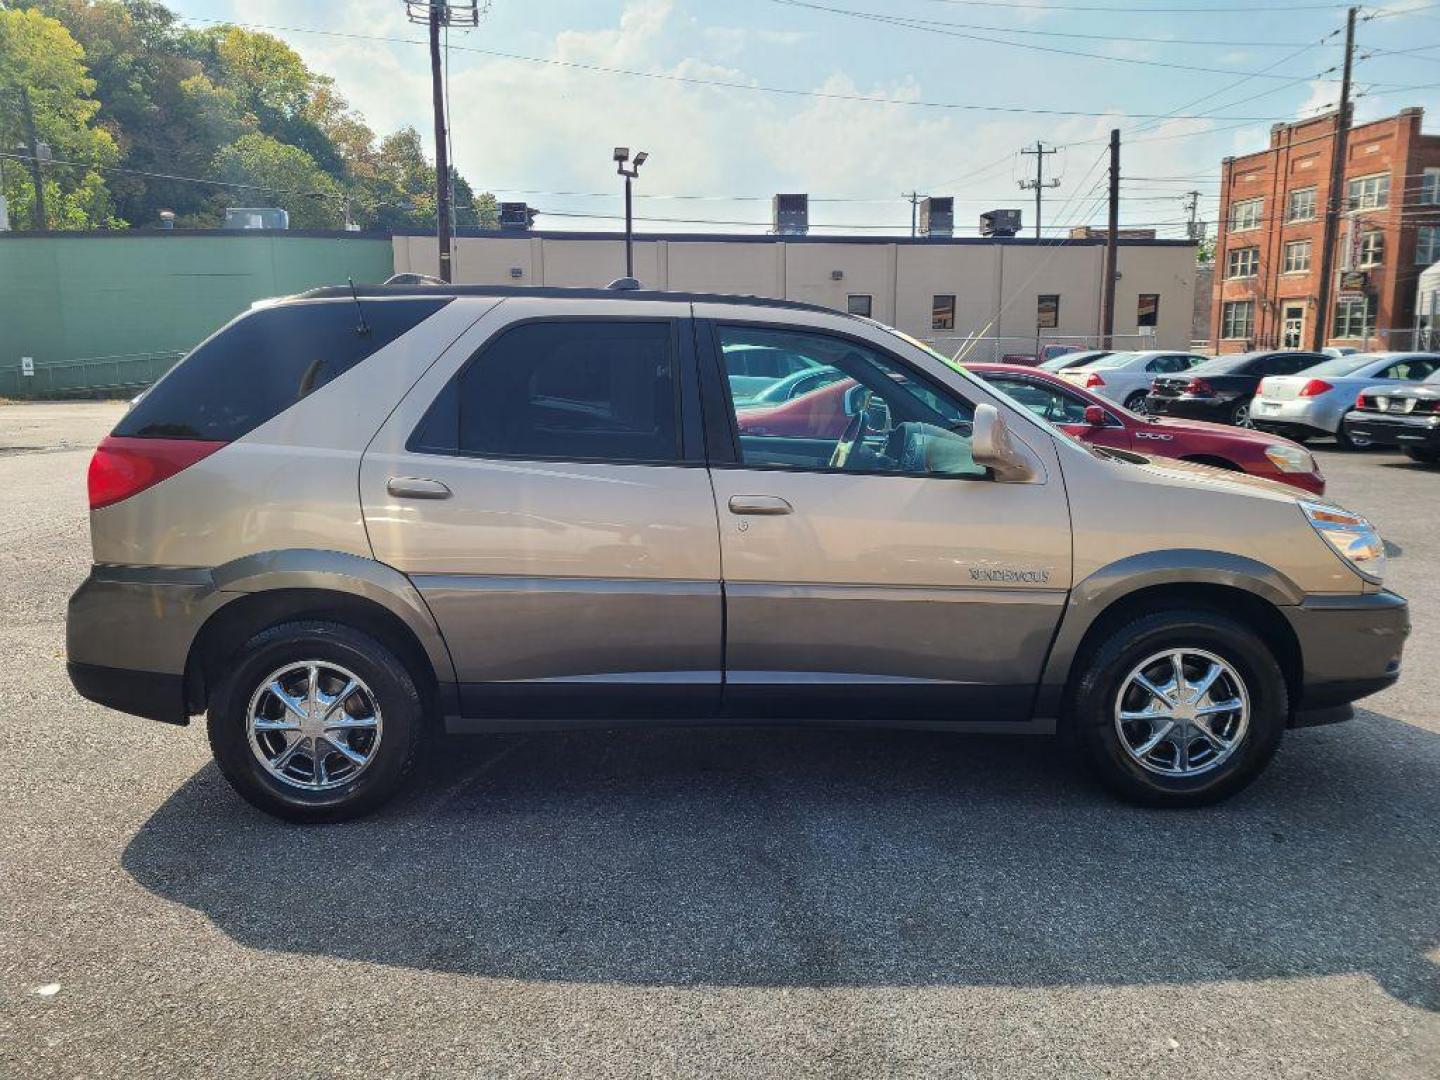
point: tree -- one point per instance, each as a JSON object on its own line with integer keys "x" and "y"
{"x": 38, "y": 53}
{"x": 273, "y": 174}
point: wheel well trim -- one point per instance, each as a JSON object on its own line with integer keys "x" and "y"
{"x": 350, "y": 577}
{"x": 1099, "y": 594}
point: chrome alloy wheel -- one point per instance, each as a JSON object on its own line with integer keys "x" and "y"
{"x": 313, "y": 725}
{"x": 1182, "y": 712}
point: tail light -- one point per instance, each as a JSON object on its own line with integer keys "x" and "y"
{"x": 1314, "y": 388}
{"x": 1199, "y": 388}
{"x": 1363, "y": 402}
{"x": 123, "y": 467}
{"x": 1260, "y": 390}
{"x": 1092, "y": 380}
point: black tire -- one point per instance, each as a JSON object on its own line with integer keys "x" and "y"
{"x": 390, "y": 682}
{"x": 1240, "y": 416}
{"x": 1422, "y": 455}
{"x": 1105, "y": 668}
{"x": 1136, "y": 403}
{"x": 1346, "y": 441}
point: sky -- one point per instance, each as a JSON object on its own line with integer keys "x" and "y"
{"x": 1187, "y": 82}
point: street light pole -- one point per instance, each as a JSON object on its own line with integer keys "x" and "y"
{"x": 622, "y": 155}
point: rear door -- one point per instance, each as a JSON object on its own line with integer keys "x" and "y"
{"x": 544, "y": 487}
{"x": 872, "y": 569}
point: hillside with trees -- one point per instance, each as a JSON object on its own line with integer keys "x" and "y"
{"x": 143, "y": 114}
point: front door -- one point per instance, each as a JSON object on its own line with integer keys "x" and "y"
{"x": 1292, "y": 326}
{"x": 872, "y": 569}
{"x": 544, "y": 487}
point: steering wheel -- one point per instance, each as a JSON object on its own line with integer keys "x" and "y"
{"x": 853, "y": 431}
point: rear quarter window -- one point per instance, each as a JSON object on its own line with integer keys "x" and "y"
{"x": 264, "y": 362}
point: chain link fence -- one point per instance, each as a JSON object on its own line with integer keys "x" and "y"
{"x": 90, "y": 377}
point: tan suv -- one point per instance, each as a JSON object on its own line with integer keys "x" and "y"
{"x": 349, "y": 522}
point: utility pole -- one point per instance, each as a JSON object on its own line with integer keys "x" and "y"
{"x": 1112, "y": 243}
{"x": 1335, "y": 198}
{"x": 437, "y": 14}
{"x": 913, "y": 197}
{"x": 1041, "y": 152}
{"x": 1193, "y": 228}
{"x": 34, "y": 145}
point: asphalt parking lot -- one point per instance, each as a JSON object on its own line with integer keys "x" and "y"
{"x": 705, "y": 902}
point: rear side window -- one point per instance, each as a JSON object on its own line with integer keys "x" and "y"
{"x": 577, "y": 390}
{"x": 266, "y": 361}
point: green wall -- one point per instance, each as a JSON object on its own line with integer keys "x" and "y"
{"x": 138, "y": 300}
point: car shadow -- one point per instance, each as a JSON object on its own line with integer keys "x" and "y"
{"x": 785, "y": 857}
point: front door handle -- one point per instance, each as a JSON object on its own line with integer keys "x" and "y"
{"x": 759, "y": 504}
{"x": 416, "y": 487}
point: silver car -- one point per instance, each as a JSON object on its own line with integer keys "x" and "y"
{"x": 1314, "y": 402}
{"x": 349, "y": 523}
{"x": 1125, "y": 377}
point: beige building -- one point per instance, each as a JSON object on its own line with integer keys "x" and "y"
{"x": 1005, "y": 291}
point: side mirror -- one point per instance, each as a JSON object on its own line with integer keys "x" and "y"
{"x": 992, "y": 446}
{"x": 855, "y": 399}
{"x": 1095, "y": 416}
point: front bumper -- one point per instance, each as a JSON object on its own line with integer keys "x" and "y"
{"x": 1383, "y": 429}
{"x": 1350, "y": 648}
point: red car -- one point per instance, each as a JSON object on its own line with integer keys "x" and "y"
{"x": 821, "y": 414}
{"x": 1095, "y": 420}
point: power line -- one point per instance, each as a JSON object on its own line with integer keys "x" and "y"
{"x": 1150, "y": 10}
{"x": 694, "y": 80}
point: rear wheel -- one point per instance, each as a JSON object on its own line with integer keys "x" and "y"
{"x": 316, "y": 721}
{"x": 1240, "y": 415}
{"x": 1179, "y": 708}
{"x": 1424, "y": 455}
{"x": 1136, "y": 402}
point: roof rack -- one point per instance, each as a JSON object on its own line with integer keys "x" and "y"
{"x": 329, "y": 292}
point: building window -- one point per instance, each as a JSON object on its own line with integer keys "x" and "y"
{"x": 1301, "y": 206}
{"x": 1148, "y": 312}
{"x": 1427, "y": 245}
{"x": 1047, "y": 311}
{"x": 1297, "y": 256}
{"x": 858, "y": 304}
{"x": 1246, "y": 215}
{"x": 1368, "y": 192}
{"x": 1430, "y": 188}
{"x": 1237, "y": 319}
{"x": 942, "y": 313}
{"x": 1372, "y": 249}
{"x": 1355, "y": 318}
{"x": 1243, "y": 263}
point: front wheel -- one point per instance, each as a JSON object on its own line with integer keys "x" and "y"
{"x": 1179, "y": 708}
{"x": 316, "y": 721}
{"x": 1423, "y": 455}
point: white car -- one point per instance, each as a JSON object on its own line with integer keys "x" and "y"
{"x": 1315, "y": 401}
{"x": 1125, "y": 377}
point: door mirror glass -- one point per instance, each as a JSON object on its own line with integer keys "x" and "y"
{"x": 1095, "y": 416}
{"x": 855, "y": 399}
{"x": 992, "y": 446}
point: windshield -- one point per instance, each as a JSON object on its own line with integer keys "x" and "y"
{"x": 1069, "y": 360}
{"x": 1343, "y": 365}
{"x": 1222, "y": 364}
{"x": 1114, "y": 360}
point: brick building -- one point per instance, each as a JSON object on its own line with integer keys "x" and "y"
{"x": 1272, "y": 221}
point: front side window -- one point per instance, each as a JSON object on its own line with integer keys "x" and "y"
{"x": 1368, "y": 192}
{"x": 1237, "y": 319}
{"x": 1246, "y": 214}
{"x": 1301, "y": 205}
{"x": 1243, "y": 263}
{"x": 575, "y": 390}
{"x": 1355, "y": 318}
{"x": 858, "y": 304}
{"x": 1148, "y": 311}
{"x": 877, "y": 418}
{"x": 1372, "y": 248}
{"x": 942, "y": 312}
{"x": 1297, "y": 256}
{"x": 1427, "y": 245}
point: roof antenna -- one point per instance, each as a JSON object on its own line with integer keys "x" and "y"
{"x": 364, "y": 328}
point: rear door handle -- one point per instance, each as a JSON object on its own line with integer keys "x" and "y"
{"x": 416, "y": 487}
{"x": 759, "y": 504}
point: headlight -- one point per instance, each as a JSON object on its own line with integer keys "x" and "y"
{"x": 1290, "y": 458}
{"x": 1350, "y": 536}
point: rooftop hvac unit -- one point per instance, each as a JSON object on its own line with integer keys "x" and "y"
{"x": 792, "y": 215}
{"x": 252, "y": 217}
{"x": 937, "y": 216}
{"x": 1000, "y": 223}
{"x": 516, "y": 215}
